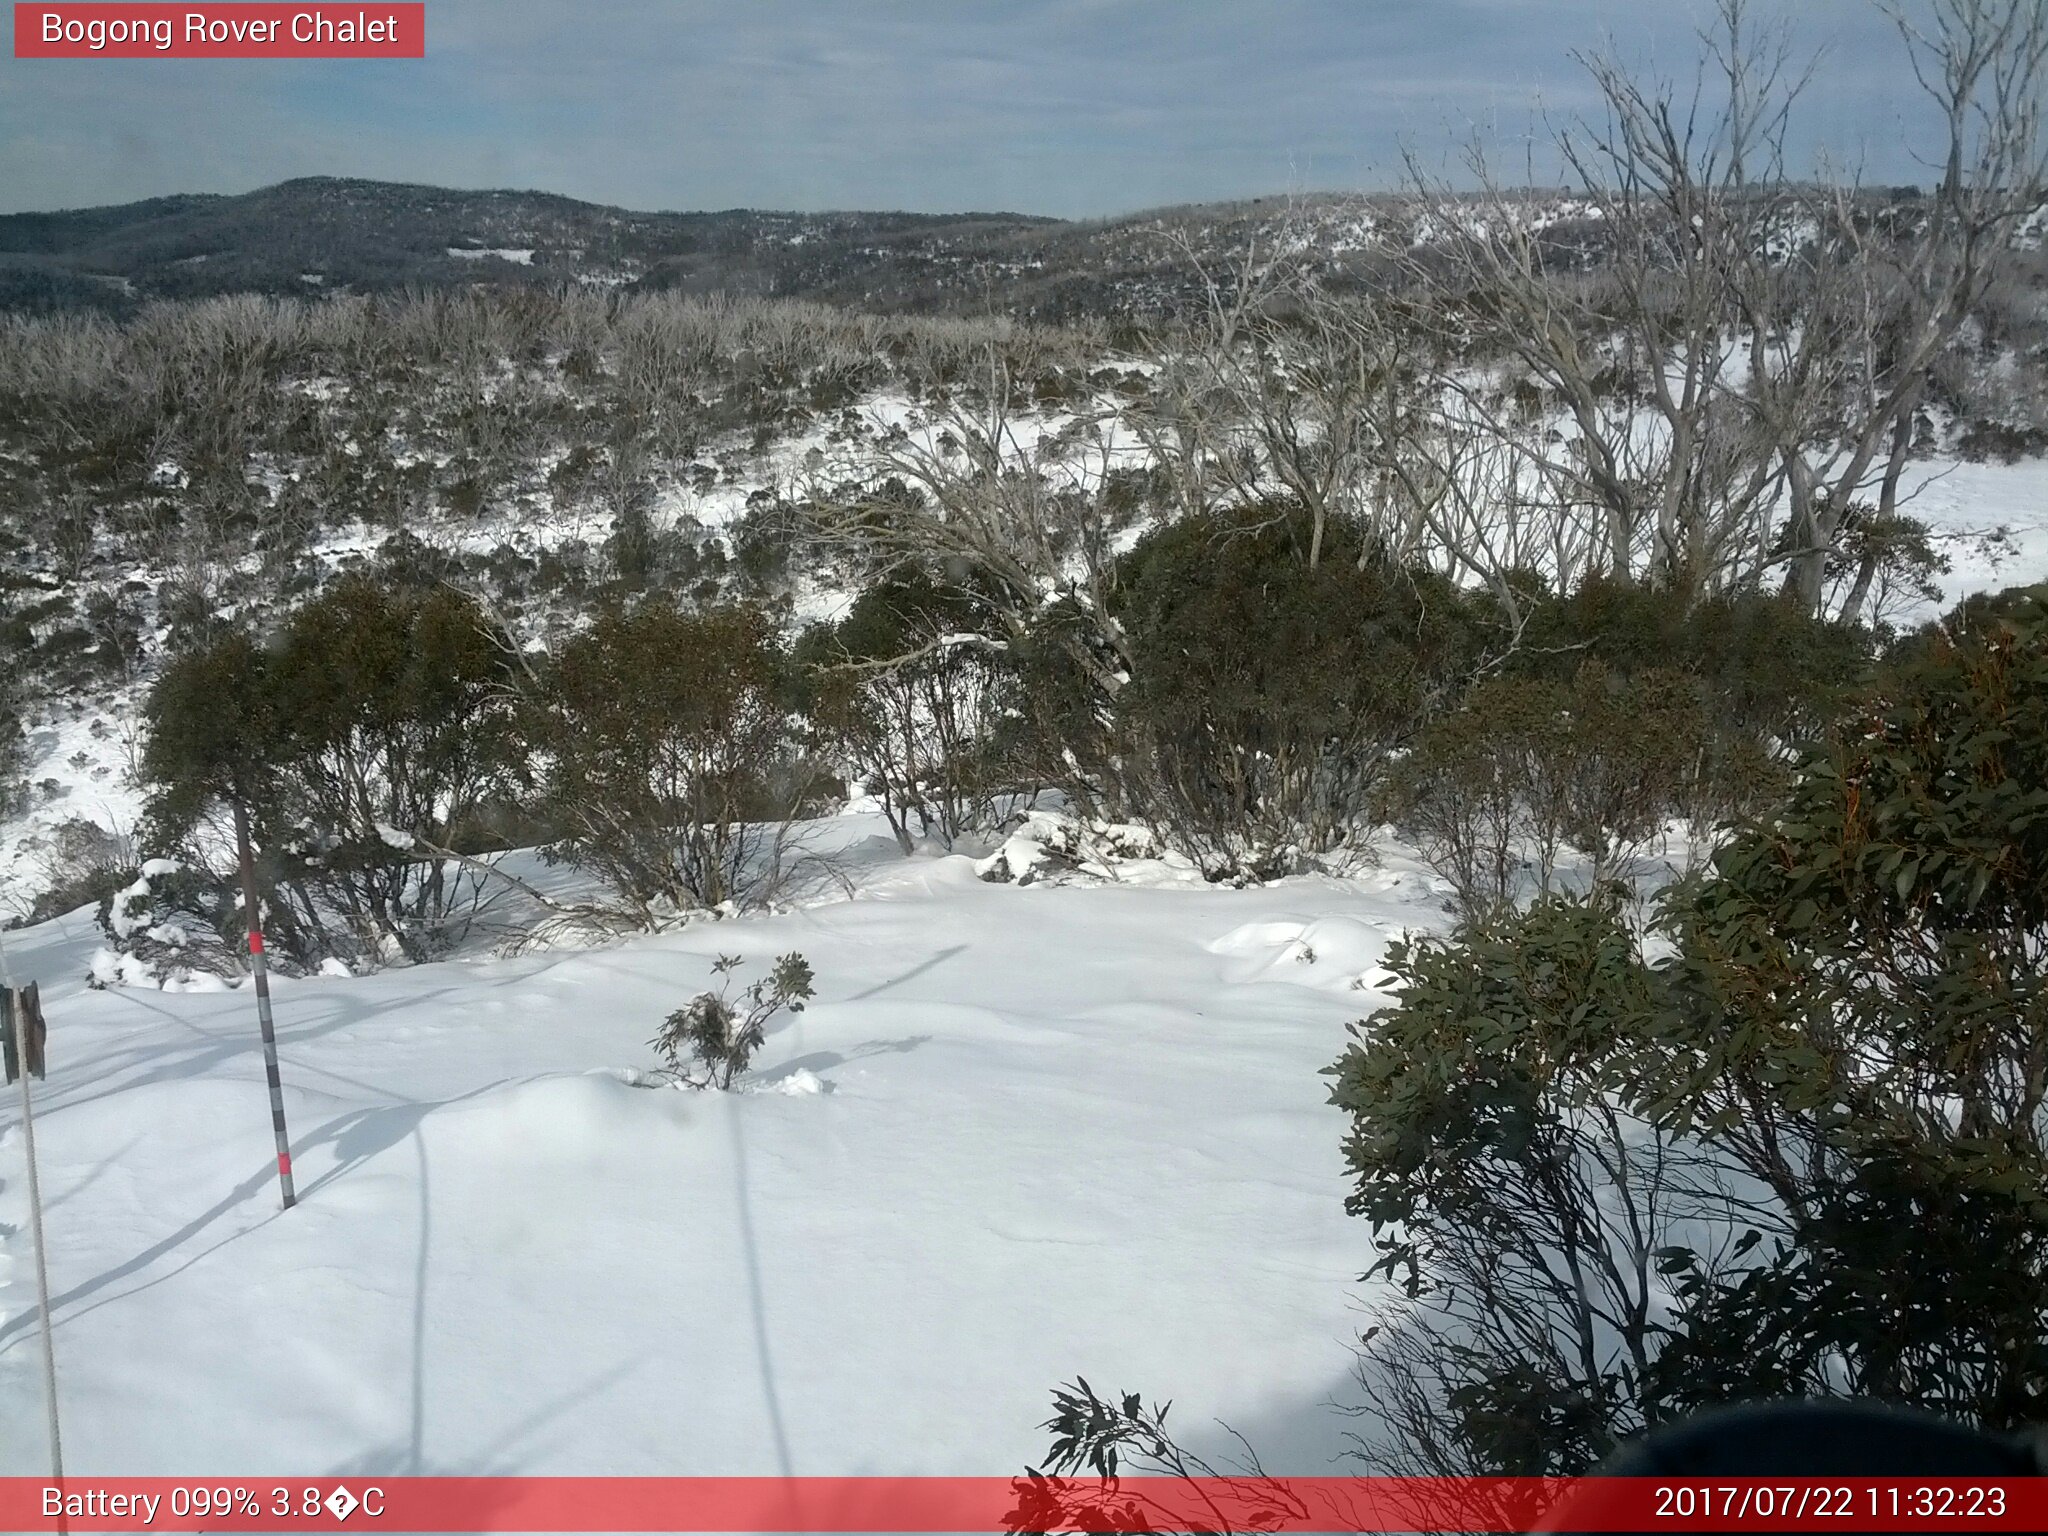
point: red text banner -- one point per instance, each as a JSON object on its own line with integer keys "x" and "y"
{"x": 217, "y": 31}
{"x": 999, "y": 1504}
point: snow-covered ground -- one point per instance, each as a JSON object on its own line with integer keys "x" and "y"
{"x": 1021, "y": 1133}
{"x": 82, "y": 759}
{"x": 1960, "y": 502}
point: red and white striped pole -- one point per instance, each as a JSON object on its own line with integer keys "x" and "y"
{"x": 262, "y": 975}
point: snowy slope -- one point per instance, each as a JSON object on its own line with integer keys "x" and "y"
{"x": 1961, "y": 501}
{"x": 81, "y": 760}
{"x": 1052, "y": 1130}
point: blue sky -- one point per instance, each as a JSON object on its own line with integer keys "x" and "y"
{"x": 1070, "y": 107}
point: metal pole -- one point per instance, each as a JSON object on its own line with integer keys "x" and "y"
{"x": 262, "y": 975}
{"x": 17, "y": 1012}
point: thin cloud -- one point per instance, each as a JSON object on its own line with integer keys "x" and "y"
{"x": 1071, "y": 107}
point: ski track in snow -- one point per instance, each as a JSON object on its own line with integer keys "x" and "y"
{"x": 1022, "y": 1133}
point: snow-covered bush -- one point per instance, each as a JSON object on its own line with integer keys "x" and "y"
{"x": 175, "y": 927}
{"x": 1050, "y": 844}
{"x": 710, "y": 1042}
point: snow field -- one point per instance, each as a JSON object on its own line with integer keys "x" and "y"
{"x": 1022, "y": 1133}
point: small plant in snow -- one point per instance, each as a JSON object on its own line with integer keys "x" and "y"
{"x": 710, "y": 1042}
{"x": 1098, "y": 1439}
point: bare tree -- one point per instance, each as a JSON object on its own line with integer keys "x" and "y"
{"x": 1282, "y": 388}
{"x": 1843, "y": 342}
{"x": 1613, "y": 303}
{"x": 1733, "y": 358}
{"x": 1013, "y": 518}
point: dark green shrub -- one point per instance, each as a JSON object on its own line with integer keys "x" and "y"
{"x": 1526, "y": 767}
{"x": 1057, "y": 728}
{"x": 1801, "y": 1154}
{"x": 1982, "y": 440}
{"x": 1266, "y": 696}
{"x": 1884, "y": 942}
{"x": 374, "y": 730}
{"x": 663, "y": 733}
{"x": 212, "y": 738}
{"x": 215, "y": 741}
{"x": 718, "y": 1033}
{"x": 762, "y": 540}
{"x": 13, "y": 758}
{"x": 1498, "y": 1153}
{"x": 633, "y": 548}
{"x": 1480, "y": 787}
{"x": 1769, "y": 675}
{"x": 1770, "y": 668}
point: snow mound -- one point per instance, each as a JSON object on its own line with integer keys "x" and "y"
{"x": 1341, "y": 953}
{"x": 589, "y": 1122}
{"x": 1048, "y": 847}
{"x": 800, "y": 1083}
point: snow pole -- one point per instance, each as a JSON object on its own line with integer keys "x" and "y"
{"x": 20, "y": 1010}
{"x": 262, "y": 975}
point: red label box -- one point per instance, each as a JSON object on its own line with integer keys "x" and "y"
{"x": 1312, "y": 1506}
{"x": 370, "y": 30}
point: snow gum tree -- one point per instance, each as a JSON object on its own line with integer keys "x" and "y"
{"x": 1735, "y": 356}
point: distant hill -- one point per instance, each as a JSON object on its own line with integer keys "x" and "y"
{"x": 329, "y": 235}
{"x": 322, "y": 234}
